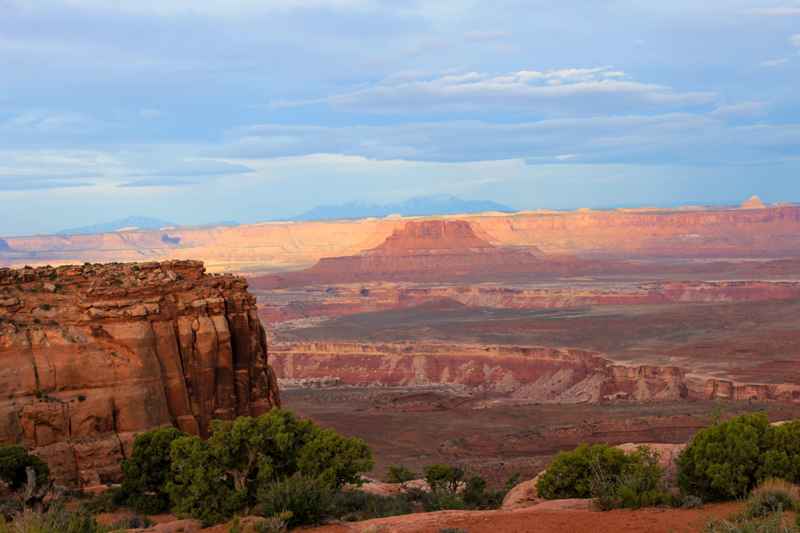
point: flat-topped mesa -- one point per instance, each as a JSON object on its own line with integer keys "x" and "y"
{"x": 91, "y": 355}
{"x": 754, "y": 202}
{"x": 423, "y": 250}
{"x": 428, "y": 236}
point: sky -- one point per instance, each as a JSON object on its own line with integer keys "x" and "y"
{"x": 198, "y": 111}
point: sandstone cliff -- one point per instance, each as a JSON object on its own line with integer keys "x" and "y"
{"x": 277, "y": 306}
{"x": 645, "y": 233}
{"x": 528, "y": 373}
{"x": 90, "y": 355}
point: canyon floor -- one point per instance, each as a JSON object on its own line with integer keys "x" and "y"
{"x": 417, "y": 428}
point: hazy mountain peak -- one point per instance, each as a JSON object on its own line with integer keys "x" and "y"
{"x": 440, "y": 204}
{"x": 124, "y": 224}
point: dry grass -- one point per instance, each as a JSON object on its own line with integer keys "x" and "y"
{"x": 778, "y": 485}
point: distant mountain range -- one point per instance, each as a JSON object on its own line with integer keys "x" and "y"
{"x": 419, "y": 206}
{"x": 131, "y": 224}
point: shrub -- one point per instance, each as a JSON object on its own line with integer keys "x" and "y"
{"x": 774, "y": 523}
{"x": 132, "y": 522}
{"x": 400, "y": 474}
{"x": 106, "y": 502}
{"x": 689, "y": 501}
{"x": 781, "y": 453}
{"x": 14, "y": 462}
{"x": 335, "y": 459}
{"x": 572, "y": 474}
{"x": 722, "y": 461}
{"x": 477, "y": 496}
{"x": 56, "y": 520}
{"x": 356, "y": 505}
{"x": 245, "y": 459}
{"x": 304, "y": 500}
{"x": 772, "y": 496}
{"x": 147, "y": 470}
{"x": 442, "y": 501}
{"x": 444, "y": 478}
{"x": 199, "y": 486}
{"x": 640, "y": 483}
{"x": 273, "y": 524}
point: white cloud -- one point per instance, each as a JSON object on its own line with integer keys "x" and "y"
{"x": 621, "y": 139}
{"x": 486, "y": 36}
{"x": 48, "y": 123}
{"x": 234, "y": 8}
{"x": 529, "y": 90}
{"x": 741, "y": 109}
{"x": 771, "y": 63}
{"x": 150, "y": 114}
{"x": 776, "y": 11}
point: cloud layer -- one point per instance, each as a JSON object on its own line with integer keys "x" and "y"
{"x": 250, "y": 110}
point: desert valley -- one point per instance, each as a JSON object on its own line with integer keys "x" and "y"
{"x": 376, "y": 266}
{"x": 491, "y": 341}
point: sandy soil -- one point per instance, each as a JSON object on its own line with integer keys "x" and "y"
{"x": 544, "y": 521}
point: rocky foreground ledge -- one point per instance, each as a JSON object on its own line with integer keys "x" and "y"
{"x": 91, "y": 355}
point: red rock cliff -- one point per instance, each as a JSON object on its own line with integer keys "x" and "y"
{"x": 90, "y": 355}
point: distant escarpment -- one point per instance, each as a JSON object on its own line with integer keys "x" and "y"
{"x": 527, "y": 373}
{"x": 91, "y": 355}
{"x": 341, "y": 300}
{"x": 530, "y": 373}
{"x": 425, "y": 250}
{"x": 4, "y": 247}
{"x": 756, "y": 232}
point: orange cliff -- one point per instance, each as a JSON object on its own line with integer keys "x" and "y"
{"x": 91, "y": 355}
{"x": 754, "y": 232}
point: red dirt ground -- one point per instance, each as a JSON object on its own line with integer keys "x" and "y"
{"x": 538, "y": 521}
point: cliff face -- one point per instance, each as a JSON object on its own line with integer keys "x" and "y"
{"x": 90, "y": 355}
{"x": 280, "y": 306}
{"x": 529, "y": 373}
{"x": 704, "y": 233}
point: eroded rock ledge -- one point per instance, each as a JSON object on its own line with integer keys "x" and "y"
{"x": 533, "y": 373}
{"x": 91, "y": 355}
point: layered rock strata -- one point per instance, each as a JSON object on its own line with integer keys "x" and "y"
{"x": 91, "y": 355}
{"x": 331, "y": 301}
{"x": 530, "y": 373}
{"x": 756, "y": 232}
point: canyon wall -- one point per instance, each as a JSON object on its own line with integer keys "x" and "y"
{"x": 643, "y": 233}
{"x": 91, "y": 355}
{"x": 277, "y": 306}
{"x": 529, "y": 373}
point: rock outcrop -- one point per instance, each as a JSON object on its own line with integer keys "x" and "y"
{"x": 754, "y": 202}
{"x": 90, "y": 355}
{"x": 426, "y": 250}
{"x": 277, "y": 306}
{"x": 621, "y": 234}
{"x": 526, "y": 373}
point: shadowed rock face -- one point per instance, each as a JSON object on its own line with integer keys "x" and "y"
{"x": 4, "y": 247}
{"x": 91, "y": 355}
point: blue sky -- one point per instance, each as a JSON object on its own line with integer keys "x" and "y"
{"x": 198, "y": 111}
